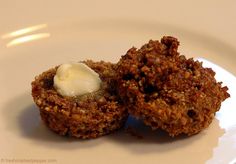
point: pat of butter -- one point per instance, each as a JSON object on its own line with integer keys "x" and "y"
{"x": 75, "y": 79}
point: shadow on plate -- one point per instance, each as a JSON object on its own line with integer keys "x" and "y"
{"x": 158, "y": 142}
{"x": 22, "y": 118}
{"x": 141, "y": 139}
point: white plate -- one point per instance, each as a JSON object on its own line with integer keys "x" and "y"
{"x": 72, "y": 33}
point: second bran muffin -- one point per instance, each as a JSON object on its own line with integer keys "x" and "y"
{"x": 86, "y": 116}
{"x": 168, "y": 91}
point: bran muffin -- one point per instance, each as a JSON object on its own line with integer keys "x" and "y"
{"x": 87, "y": 116}
{"x": 166, "y": 90}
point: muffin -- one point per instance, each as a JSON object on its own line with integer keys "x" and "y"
{"x": 166, "y": 90}
{"x": 89, "y": 115}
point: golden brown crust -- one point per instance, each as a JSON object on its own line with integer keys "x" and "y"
{"x": 168, "y": 91}
{"x": 87, "y": 116}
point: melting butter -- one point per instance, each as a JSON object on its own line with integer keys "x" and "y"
{"x": 75, "y": 79}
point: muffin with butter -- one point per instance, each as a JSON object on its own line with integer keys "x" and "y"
{"x": 79, "y": 99}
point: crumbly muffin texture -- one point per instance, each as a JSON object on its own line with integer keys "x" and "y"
{"x": 88, "y": 116}
{"x": 166, "y": 90}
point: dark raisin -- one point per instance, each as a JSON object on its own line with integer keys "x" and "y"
{"x": 191, "y": 113}
{"x": 104, "y": 110}
{"x": 149, "y": 89}
{"x": 154, "y": 124}
{"x": 147, "y": 98}
{"x": 142, "y": 74}
{"x": 128, "y": 76}
{"x": 171, "y": 101}
{"x": 113, "y": 122}
{"x": 198, "y": 86}
{"x": 145, "y": 60}
{"x": 48, "y": 83}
